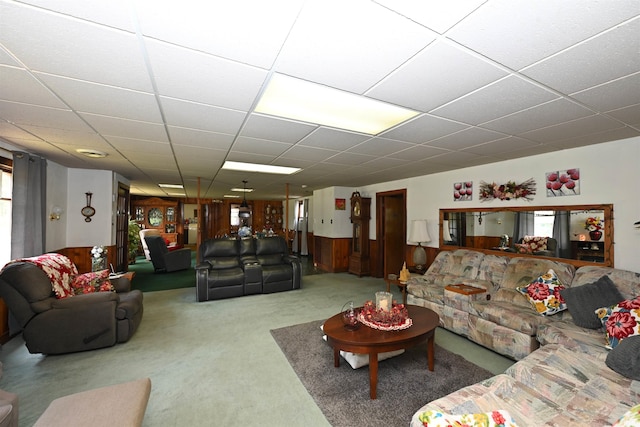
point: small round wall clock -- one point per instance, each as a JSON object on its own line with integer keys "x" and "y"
{"x": 88, "y": 211}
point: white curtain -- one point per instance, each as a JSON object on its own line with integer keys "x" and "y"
{"x": 296, "y": 213}
{"x": 304, "y": 228}
{"x": 28, "y": 205}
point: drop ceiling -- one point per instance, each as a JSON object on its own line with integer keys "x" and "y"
{"x": 168, "y": 89}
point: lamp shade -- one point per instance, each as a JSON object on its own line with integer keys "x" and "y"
{"x": 446, "y": 235}
{"x": 419, "y": 233}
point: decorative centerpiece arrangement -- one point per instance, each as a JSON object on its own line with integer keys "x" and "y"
{"x": 594, "y": 226}
{"x": 391, "y": 317}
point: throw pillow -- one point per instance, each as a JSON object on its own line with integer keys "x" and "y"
{"x": 536, "y": 243}
{"x": 630, "y": 418}
{"x": 544, "y": 294}
{"x": 88, "y": 283}
{"x": 500, "y": 418}
{"x": 583, "y": 301}
{"x": 523, "y": 248}
{"x": 620, "y": 321}
{"x": 625, "y": 358}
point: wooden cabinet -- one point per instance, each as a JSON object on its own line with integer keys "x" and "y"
{"x": 161, "y": 214}
{"x": 587, "y": 251}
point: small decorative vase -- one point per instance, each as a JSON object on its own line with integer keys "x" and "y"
{"x": 98, "y": 264}
{"x": 350, "y": 317}
{"x": 595, "y": 235}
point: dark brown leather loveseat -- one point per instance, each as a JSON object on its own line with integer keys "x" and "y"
{"x": 234, "y": 267}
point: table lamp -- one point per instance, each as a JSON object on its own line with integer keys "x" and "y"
{"x": 419, "y": 234}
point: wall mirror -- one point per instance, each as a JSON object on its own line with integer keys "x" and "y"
{"x": 577, "y": 234}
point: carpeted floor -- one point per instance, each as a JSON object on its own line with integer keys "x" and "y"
{"x": 148, "y": 281}
{"x": 404, "y": 382}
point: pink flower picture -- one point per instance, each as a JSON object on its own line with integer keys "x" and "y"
{"x": 462, "y": 191}
{"x": 563, "y": 183}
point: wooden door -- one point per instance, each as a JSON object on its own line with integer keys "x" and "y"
{"x": 122, "y": 228}
{"x": 391, "y": 230}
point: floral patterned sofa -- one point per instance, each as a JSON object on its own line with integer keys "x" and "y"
{"x": 502, "y": 318}
{"x": 584, "y": 373}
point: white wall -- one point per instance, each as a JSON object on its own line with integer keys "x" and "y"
{"x": 100, "y": 230}
{"x": 56, "y": 230}
{"x": 609, "y": 173}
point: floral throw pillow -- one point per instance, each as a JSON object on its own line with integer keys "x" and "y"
{"x": 536, "y": 243}
{"x": 620, "y": 321}
{"x": 630, "y": 418}
{"x": 544, "y": 294}
{"x": 499, "y": 418}
{"x": 523, "y": 248}
{"x": 88, "y": 283}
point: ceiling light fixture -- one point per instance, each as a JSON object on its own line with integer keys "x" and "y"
{"x": 171, "y": 186}
{"x": 94, "y": 154}
{"x": 313, "y": 103}
{"x": 242, "y": 190}
{"x": 244, "y": 204}
{"x": 256, "y": 167}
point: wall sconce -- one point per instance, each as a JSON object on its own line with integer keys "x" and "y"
{"x": 56, "y": 211}
{"x": 419, "y": 234}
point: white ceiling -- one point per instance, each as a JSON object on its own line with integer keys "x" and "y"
{"x": 167, "y": 88}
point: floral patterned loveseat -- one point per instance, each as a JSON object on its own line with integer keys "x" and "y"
{"x": 583, "y": 374}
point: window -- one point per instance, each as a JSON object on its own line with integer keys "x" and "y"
{"x": 6, "y": 190}
{"x": 543, "y": 223}
{"x": 235, "y": 215}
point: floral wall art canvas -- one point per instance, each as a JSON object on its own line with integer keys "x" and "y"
{"x": 462, "y": 191}
{"x": 563, "y": 182}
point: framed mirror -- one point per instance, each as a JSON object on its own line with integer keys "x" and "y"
{"x": 576, "y": 234}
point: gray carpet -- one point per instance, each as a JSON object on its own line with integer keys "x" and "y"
{"x": 404, "y": 382}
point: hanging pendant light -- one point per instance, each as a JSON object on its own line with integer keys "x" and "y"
{"x": 244, "y": 193}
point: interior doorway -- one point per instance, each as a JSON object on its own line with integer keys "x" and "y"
{"x": 391, "y": 230}
{"x": 122, "y": 228}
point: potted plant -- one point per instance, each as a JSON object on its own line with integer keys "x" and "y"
{"x": 134, "y": 240}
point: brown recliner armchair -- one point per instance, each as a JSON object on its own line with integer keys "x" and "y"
{"x": 76, "y": 323}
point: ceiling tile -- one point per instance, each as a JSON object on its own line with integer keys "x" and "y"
{"x": 130, "y": 146}
{"x": 418, "y": 152}
{"x": 114, "y": 126}
{"x": 333, "y": 139}
{"x": 259, "y": 146}
{"x": 501, "y": 98}
{"x": 206, "y": 79}
{"x": 629, "y": 115}
{"x": 222, "y": 28}
{"x": 544, "y": 115}
{"x": 23, "y": 114}
{"x": 437, "y": 75}
{"x": 518, "y": 34}
{"x": 612, "y": 95}
{"x": 466, "y": 138}
{"x": 380, "y": 147}
{"x": 331, "y": 36}
{"x": 199, "y": 116}
{"x": 506, "y": 145}
{"x": 113, "y": 13}
{"x": 17, "y": 84}
{"x": 113, "y": 101}
{"x": 424, "y": 128}
{"x": 589, "y": 64}
{"x": 436, "y": 15}
{"x": 199, "y": 138}
{"x": 308, "y": 153}
{"x": 69, "y": 47}
{"x": 274, "y": 129}
{"x": 349, "y": 159}
{"x": 576, "y": 128}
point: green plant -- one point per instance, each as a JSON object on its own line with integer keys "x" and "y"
{"x": 134, "y": 240}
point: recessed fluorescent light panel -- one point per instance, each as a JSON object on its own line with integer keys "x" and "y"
{"x": 170, "y": 185}
{"x": 243, "y": 190}
{"x": 94, "y": 154}
{"x": 313, "y": 103}
{"x": 255, "y": 167}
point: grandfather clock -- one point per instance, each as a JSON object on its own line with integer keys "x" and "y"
{"x": 359, "y": 260}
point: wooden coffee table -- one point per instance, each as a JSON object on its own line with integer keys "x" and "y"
{"x": 366, "y": 340}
